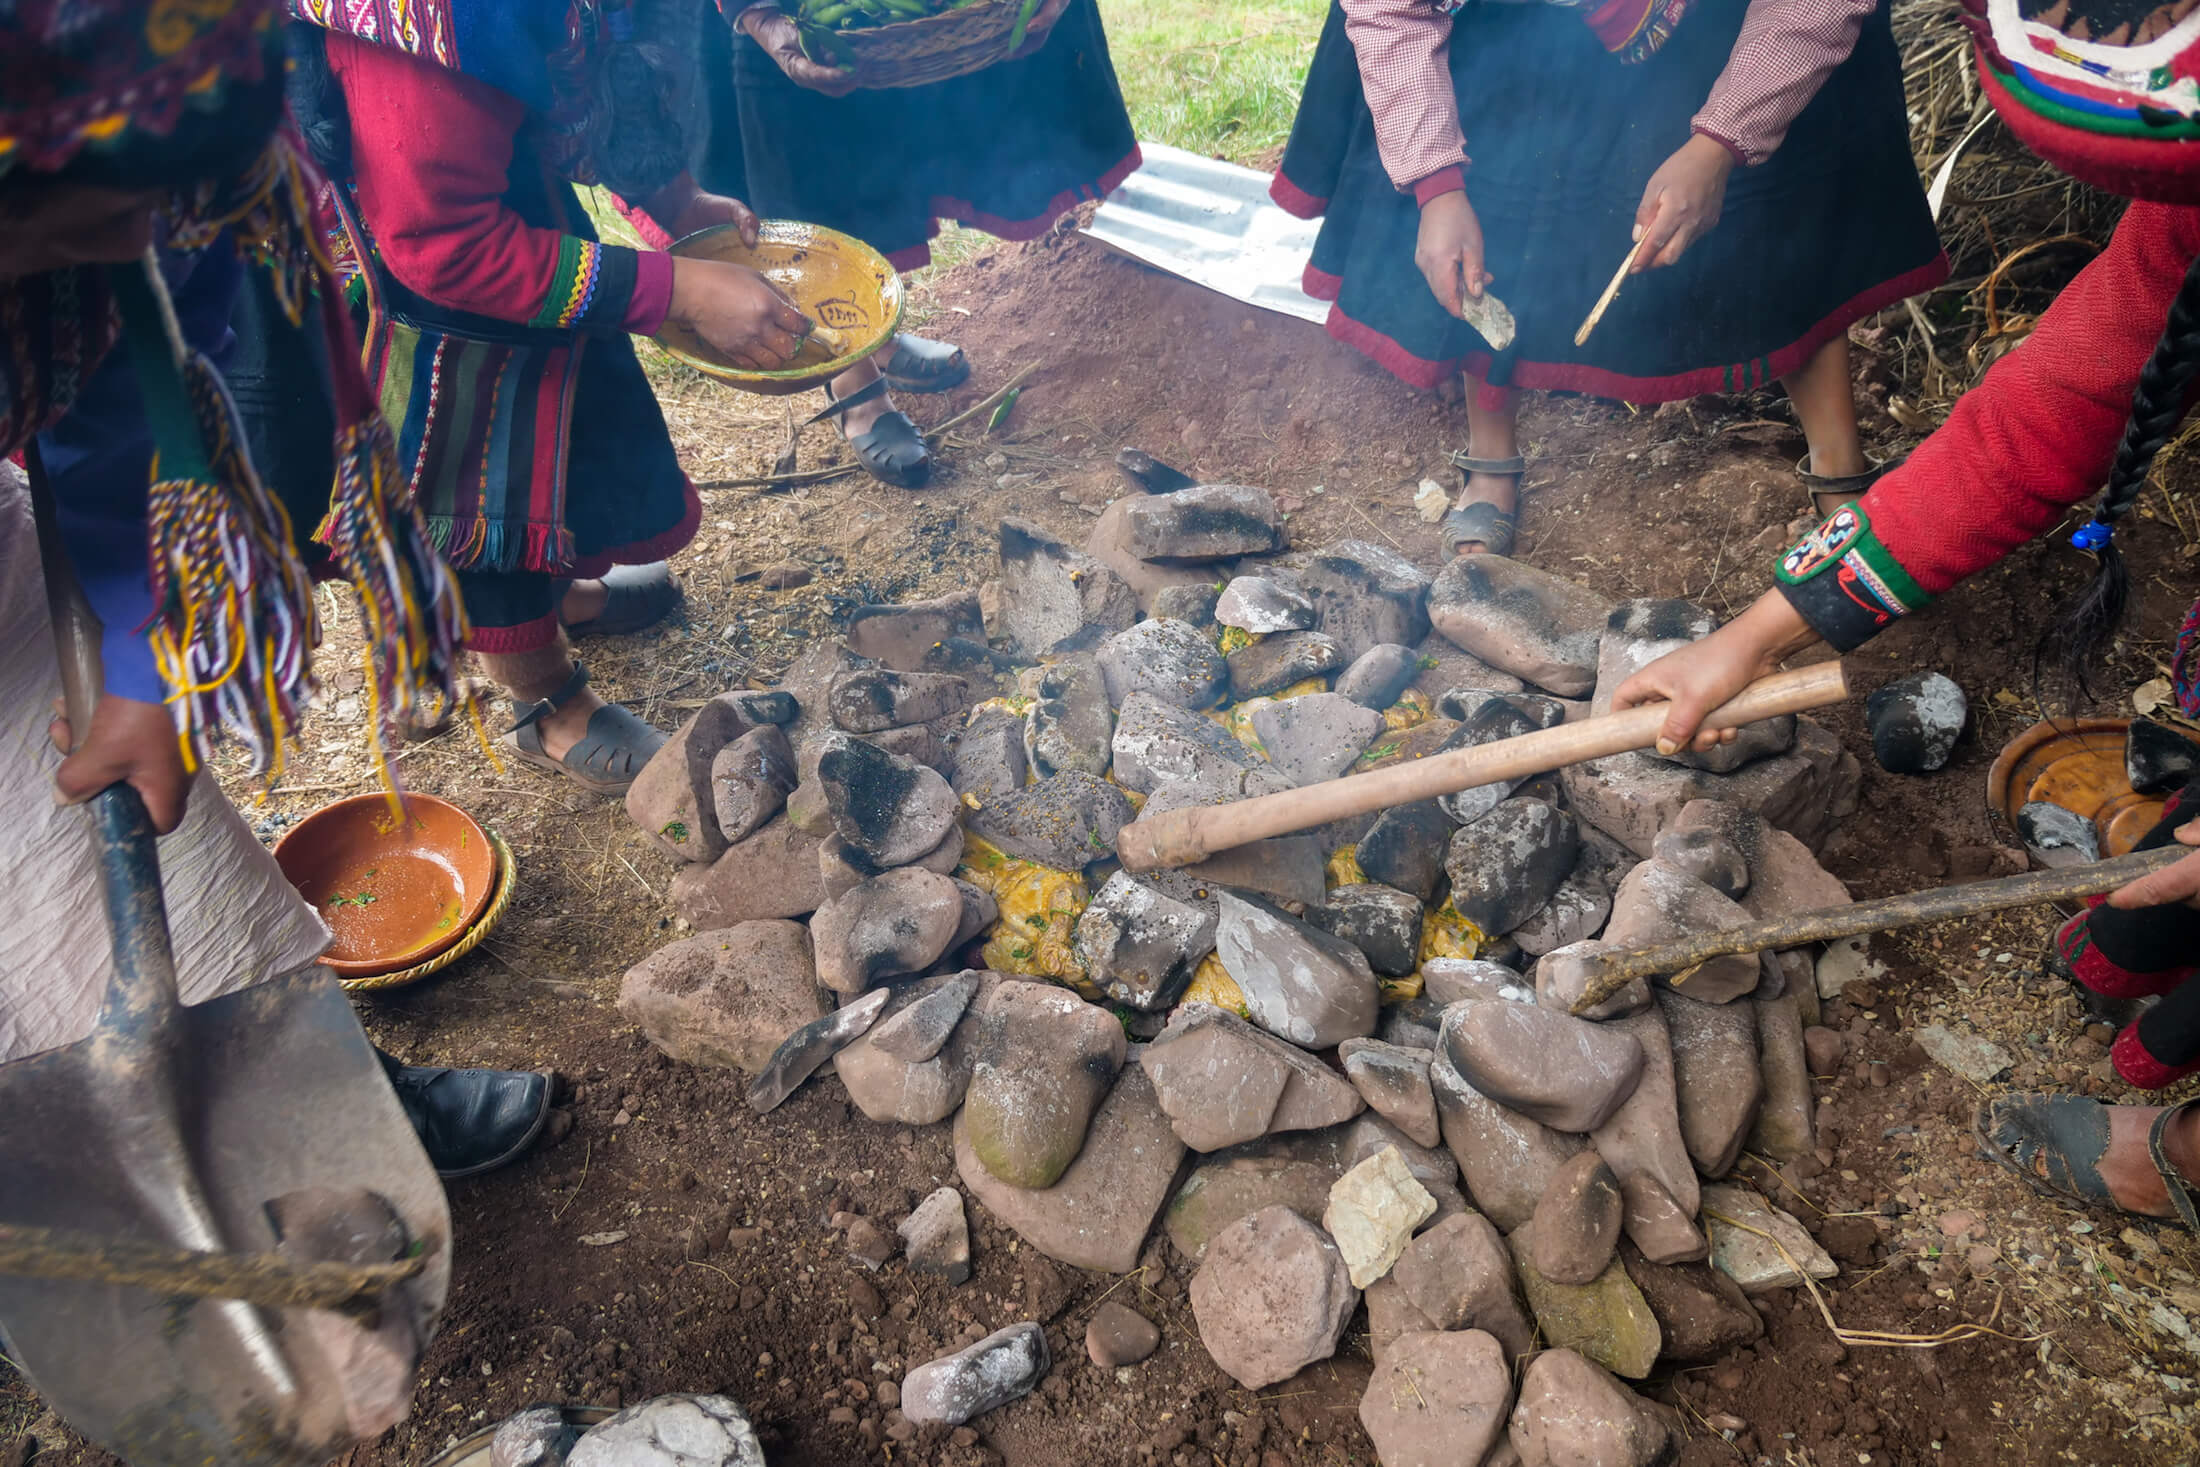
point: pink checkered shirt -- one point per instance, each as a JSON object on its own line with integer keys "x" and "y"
{"x": 1782, "y": 56}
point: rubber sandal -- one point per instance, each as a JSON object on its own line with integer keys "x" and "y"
{"x": 637, "y": 597}
{"x": 2055, "y": 1143}
{"x": 921, "y": 365}
{"x": 894, "y": 451}
{"x": 609, "y": 753}
{"x": 1850, "y": 487}
{"x": 1483, "y": 523}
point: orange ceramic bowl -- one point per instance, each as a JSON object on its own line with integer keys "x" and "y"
{"x": 394, "y": 892}
{"x": 836, "y": 280}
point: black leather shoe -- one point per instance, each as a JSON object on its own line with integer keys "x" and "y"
{"x": 471, "y": 1121}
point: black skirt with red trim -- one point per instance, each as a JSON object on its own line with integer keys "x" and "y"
{"x": 1563, "y": 138}
{"x": 1008, "y": 150}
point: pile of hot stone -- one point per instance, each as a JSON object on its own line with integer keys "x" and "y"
{"x": 1360, "y": 1034}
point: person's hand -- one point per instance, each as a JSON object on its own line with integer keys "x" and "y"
{"x": 681, "y": 208}
{"x": 1705, "y": 674}
{"x": 774, "y": 30}
{"x": 129, "y": 743}
{"x": 1681, "y": 202}
{"x": 2177, "y": 882}
{"x": 708, "y": 211}
{"x": 1449, "y": 250}
{"x": 1042, "y": 21}
{"x": 737, "y": 311}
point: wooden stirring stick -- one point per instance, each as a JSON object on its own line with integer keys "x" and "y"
{"x": 1611, "y": 293}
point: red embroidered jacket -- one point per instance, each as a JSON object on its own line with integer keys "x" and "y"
{"x": 432, "y": 151}
{"x": 2034, "y": 438}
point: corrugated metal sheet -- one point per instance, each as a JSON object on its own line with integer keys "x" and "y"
{"x": 1213, "y": 224}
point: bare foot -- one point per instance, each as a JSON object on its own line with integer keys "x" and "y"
{"x": 584, "y": 602}
{"x": 568, "y": 725}
{"x": 2129, "y": 1171}
{"x": 860, "y": 419}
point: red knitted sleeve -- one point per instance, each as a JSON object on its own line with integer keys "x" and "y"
{"x": 2021, "y": 448}
{"x": 432, "y": 150}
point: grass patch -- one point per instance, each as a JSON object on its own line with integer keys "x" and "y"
{"x": 1221, "y": 79}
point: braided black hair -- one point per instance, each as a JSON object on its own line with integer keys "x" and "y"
{"x": 2157, "y": 407}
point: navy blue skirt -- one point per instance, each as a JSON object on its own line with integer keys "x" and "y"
{"x": 1008, "y": 150}
{"x": 1563, "y": 136}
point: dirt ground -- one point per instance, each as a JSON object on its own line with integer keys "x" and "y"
{"x": 726, "y": 1276}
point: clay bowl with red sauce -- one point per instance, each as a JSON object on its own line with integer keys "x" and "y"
{"x": 394, "y": 890}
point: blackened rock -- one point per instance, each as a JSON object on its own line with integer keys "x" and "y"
{"x": 872, "y": 700}
{"x": 1708, "y": 855}
{"x": 1658, "y": 903}
{"x": 1067, "y": 821}
{"x": 902, "y": 636}
{"x": 890, "y": 808}
{"x": 1158, "y": 743}
{"x": 1487, "y": 718}
{"x": 1578, "y": 910}
{"x": 889, "y": 925}
{"x": 1365, "y": 595}
{"x": 1149, "y": 475}
{"x": 1262, "y": 604}
{"x": 1637, "y": 634}
{"x": 1140, "y": 945}
{"x": 1395, "y": 1083}
{"x": 2158, "y": 759}
{"x": 989, "y": 758}
{"x": 1192, "y": 603}
{"x": 1506, "y": 865}
{"x": 1170, "y": 660}
{"x": 1315, "y": 737}
{"x": 750, "y": 780}
{"x": 1380, "y": 676}
{"x": 1275, "y": 663}
{"x": 1072, "y": 724}
{"x": 2058, "y": 837}
{"x": 965, "y": 1385}
{"x": 1055, "y": 599}
{"x": 1405, "y": 848}
{"x": 1379, "y": 920}
{"x": 1521, "y": 620}
{"x": 1916, "y": 721}
{"x": 1206, "y": 522}
{"x": 1299, "y": 983}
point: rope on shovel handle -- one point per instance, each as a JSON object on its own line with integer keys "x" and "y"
{"x": 1614, "y": 971}
{"x": 266, "y": 1279}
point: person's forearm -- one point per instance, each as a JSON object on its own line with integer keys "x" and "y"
{"x": 1405, "y": 71}
{"x": 1785, "y": 52}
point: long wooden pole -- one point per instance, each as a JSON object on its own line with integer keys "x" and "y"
{"x": 1610, "y": 972}
{"x": 1182, "y": 837}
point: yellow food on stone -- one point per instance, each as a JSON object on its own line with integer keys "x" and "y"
{"x": 983, "y": 862}
{"x": 1238, "y": 719}
{"x": 1211, "y": 984}
{"x": 1015, "y": 706}
{"x": 1301, "y": 688}
{"x": 1401, "y": 990}
{"x": 1039, "y": 910}
{"x": 1343, "y": 868}
{"x": 1410, "y": 711}
{"x": 1235, "y": 639}
{"x": 1446, "y": 934}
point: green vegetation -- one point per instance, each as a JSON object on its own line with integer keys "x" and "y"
{"x": 1214, "y": 78}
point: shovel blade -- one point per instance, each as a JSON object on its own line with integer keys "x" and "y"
{"x": 275, "y": 1092}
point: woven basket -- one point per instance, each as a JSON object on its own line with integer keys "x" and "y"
{"x": 916, "y": 53}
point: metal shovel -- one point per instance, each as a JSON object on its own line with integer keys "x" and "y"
{"x": 257, "y": 1123}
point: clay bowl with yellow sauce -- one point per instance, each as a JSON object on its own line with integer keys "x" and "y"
{"x": 394, "y": 889}
{"x": 843, "y": 285}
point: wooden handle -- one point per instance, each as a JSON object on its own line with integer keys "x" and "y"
{"x": 266, "y": 1279}
{"x": 1611, "y": 293}
{"x": 1613, "y": 971}
{"x": 1182, "y": 837}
